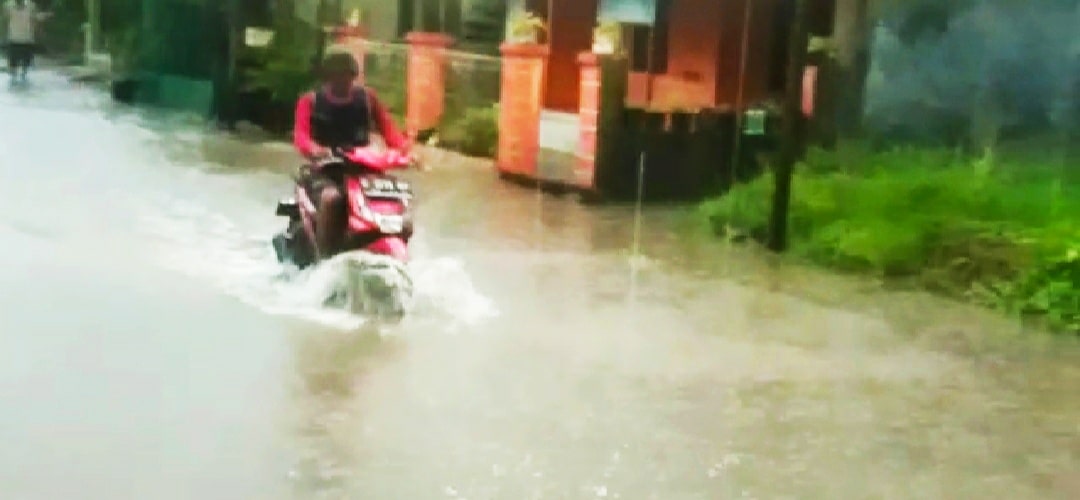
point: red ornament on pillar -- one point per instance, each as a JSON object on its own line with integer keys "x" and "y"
{"x": 809, "y": 89}
{"x": 520, "y": 101}
{"x": 426, "y": 80}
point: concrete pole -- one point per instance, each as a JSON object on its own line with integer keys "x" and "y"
{"x": 90, "y": 30}
{"x": 793, "y": 128}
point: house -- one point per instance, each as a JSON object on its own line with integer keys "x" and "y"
{"x": 670, "y": 102}
{"x": 692, "y": 58}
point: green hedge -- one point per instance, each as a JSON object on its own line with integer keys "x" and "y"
{"x": 474, "y": 133}
{"x": 1005, "y": 233}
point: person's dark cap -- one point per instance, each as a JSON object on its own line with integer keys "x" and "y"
{"x": 338, "y": 60}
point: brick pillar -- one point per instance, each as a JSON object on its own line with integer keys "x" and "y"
{"x": 520, "y": 101}
{"x": 426, "y": 81}
{"x": 604, "y": 89}
{"x": 588, "y": 120}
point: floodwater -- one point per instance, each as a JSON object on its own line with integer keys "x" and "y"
{"x": 150, "y": 347}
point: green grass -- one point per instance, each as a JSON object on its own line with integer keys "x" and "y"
{"x": 1004, "y": 231}
{"x": 474, "y": 133}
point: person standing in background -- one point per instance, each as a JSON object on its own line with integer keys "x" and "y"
{"x": 22, "y": 23}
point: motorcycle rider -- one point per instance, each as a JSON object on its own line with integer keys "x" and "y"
{"x": 338, "y": 114}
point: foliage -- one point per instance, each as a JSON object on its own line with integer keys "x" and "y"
{"x": 124, "y": 48}
{"x": 1003, "y": 234}
{"x": 526, "y": 26}
{"x": 285, "y": 73}
{"x": 607, "y": 37}
{"x": 822, "y": 45}
{"x": 385, "y": 73}
{"x": 485, "y": 25}
{"x": 286, "y": 64}
{"x": 1049, "y": 292}
{"x": 62, "y": 33}
{"x": 475, "y": 133}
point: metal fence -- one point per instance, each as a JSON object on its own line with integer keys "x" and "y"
{"x": 469, "y": 121}
{"x": 385, "y": 72}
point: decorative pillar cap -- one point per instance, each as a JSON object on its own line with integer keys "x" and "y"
{"x": 428, "y": 38}
{"x": 589, "y": 58}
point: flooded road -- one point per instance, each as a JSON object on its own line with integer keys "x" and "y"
{"x": 150, "y": 347}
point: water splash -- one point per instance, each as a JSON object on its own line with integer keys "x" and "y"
{"x": 208, "y": 245}
{"x": 432, "y": 295}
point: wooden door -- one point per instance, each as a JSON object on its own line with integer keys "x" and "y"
{"x": 570, "y": 25}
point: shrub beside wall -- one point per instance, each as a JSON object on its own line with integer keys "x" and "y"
{"x": 1001, "y": 233}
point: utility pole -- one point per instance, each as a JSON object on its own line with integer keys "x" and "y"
{"x": 793, "y": 128}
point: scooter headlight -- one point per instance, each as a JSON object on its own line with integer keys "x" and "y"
{"x": 365, "y": 210}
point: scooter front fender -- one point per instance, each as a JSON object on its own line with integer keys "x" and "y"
{"x": 391, "y": 246}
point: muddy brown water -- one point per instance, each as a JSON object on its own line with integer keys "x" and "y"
{"x": 151, "y": 348}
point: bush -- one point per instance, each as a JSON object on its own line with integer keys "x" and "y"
{"x": 284, "y": 68}
{"x": 978, "y": 228}
{"x": 475, "y": 133}
{"x": 385, "y": 73}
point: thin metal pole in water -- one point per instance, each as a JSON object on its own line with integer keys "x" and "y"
{"x": 539, "y": 215}
{"x": 635, "y": 245}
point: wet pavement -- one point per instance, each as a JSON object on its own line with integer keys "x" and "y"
{"x": 150, "y": 347}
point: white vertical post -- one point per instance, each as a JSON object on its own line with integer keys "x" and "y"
{"x": 90, "y": 29}
{"x": 87, "y": 40}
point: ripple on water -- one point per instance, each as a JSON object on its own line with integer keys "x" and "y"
{"x": 208, "y": 245}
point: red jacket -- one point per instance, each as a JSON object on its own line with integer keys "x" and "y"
{"x": 384, "y": 124}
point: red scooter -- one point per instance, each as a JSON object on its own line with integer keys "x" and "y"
{"x": 379, "y": 222}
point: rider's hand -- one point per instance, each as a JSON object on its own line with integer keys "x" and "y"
{"x": 320, "y": 152}
{"x": 417, "y": 162}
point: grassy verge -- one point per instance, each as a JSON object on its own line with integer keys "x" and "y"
{"x": 474, "y": 133}
{"x": 1004, "y": 232}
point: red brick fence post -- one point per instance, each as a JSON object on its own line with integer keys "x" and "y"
{"x": 520, "y": 100}
{"x": 426, "y": 81}
{"x": 604, "y": 86}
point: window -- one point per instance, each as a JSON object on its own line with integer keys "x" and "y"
{"x": 648, "y": 45}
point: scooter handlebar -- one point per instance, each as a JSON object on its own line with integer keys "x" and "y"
{"x": 366, "y": 156}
